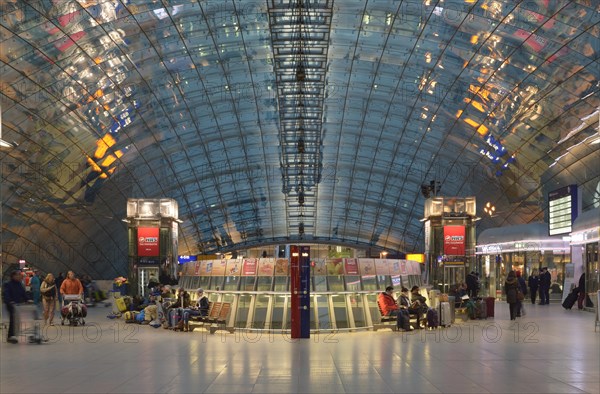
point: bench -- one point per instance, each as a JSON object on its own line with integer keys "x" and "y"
{"x": 218, "y": 312}
{"x": 385, "y": 321}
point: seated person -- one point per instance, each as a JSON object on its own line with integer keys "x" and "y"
{"x": 409, "y": 306}
{"x": 416, "y": 297}
{"x": 176, "y": 309}
{"x": 199, "y": 308}
{"x": 166, "y": 292}
{"x": 388, "y": 307}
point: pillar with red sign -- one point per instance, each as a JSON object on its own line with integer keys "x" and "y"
{"x": 300, "y": 288}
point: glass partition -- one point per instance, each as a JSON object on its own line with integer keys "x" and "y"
{"x": 279, "y": 302}
{"x": 231, "y": 283}
{"x": 336, "y": 283}
{"x": 203, "y": 282}
{"x": 373, "y": 308}
{"x": 319, "y": 283}
{"x": 248, "y": 283}
{"x": 383, "y": 281}
{"x": 322, "y": 307}
{"x": 281, "y": 284}
{"x": 369, "y": 282}
{"x": 340, "y": 311}
{"x": 216, "y": 283}
{"x": 265, "y": 283}
{"x": 353, "y": 283}
{"x": 260, "y": 310}
{"x": 358, "y": 310}
{"x": 243, "y": 307}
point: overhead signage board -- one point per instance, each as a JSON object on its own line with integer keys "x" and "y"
{"x": 563, "y": 209}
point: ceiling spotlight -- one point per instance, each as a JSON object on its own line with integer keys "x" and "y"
{"x": 489, "y": 208}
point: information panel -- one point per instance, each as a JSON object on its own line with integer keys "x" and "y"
{"x": 562, "y": 210}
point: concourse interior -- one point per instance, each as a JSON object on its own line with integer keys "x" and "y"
{"x": 552, "y": 350}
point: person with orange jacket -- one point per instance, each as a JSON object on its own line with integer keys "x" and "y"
{"x": 71, "y": 285}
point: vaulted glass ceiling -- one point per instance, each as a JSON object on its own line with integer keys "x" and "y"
{"x": 286, "y": 121}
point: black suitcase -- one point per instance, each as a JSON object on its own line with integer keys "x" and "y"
{"x": 570, "y": 300}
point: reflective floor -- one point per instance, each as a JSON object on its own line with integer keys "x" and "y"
{"x": 550, "y": 351}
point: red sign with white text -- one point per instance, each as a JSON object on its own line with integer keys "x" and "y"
{"x": 148, "y": 241}
{"x": 454, "y": 240}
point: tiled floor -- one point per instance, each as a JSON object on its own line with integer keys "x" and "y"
{"x": 549, "y": 351}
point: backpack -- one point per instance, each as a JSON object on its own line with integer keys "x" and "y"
{"x": 433, "y": 320}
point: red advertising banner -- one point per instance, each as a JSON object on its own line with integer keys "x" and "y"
{"x": 148, "y": 241}
{"x": 454, "y": 240}
{"x": 250, "y": 267}
{"x": 351, "y": 266}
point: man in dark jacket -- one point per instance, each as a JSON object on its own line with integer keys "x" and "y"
{"x": 471, "y": 280}
{"x": 545, "y": 280}
{"x": 534, "y": 281}
{"x": 581, "y": 297}
{"x": 13, "y": 292}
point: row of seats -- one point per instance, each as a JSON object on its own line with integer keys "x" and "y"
{"x": 218, "y": 312}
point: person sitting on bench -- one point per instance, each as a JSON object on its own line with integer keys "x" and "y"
{"x": 410, "y": 307}
{"x": 387, "y": 305}
{"x": 416, "y": 297}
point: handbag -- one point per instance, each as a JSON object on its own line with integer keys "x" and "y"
{"x": 520, "y": 296}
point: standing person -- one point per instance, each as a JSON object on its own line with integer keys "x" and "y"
{"x": 59, "y": 280}
{"x": 523, "y": 288}
{"x": 581, "y": 287}
{"x": 49, "y": 295}
{"x": 545, "y": 280}
{"x": 534, "y": 281}
{"x": 477, "y": 284}
{"x": 511, "y": 288}
{"x": 471, "y": 280}
{"x": 34, "y": 284}
{"x": 71, "y": 285}
{"x": 13, "y": 292}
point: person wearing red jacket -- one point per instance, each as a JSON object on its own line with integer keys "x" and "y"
{"x": 387, "y": 303}
{"x": 71, "y": 285}
{"x": 389, "y": 307}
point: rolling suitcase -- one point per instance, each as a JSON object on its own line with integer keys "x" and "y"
{"x": 482, "y": 308}
{"x": 570, "y": 300}
{"x": 490, "y": 302}
{"x": 445, "y": 314}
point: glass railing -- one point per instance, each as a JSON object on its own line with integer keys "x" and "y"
{"x": 271, "y": 310}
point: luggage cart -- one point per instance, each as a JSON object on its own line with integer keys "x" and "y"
{"x": 73, "y": 310}
{"x": 27, "y": 322}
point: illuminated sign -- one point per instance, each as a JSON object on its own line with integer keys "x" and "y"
{"x": 186, "y": 259}
{"x": 148, "y": 241}
{"x": 454, "y": 240}
{"x": 563, "y": 209}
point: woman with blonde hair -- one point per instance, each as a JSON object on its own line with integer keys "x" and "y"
{"x": 49, "y": 294}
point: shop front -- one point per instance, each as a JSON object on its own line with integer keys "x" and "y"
{"x": 524, "y": 249}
